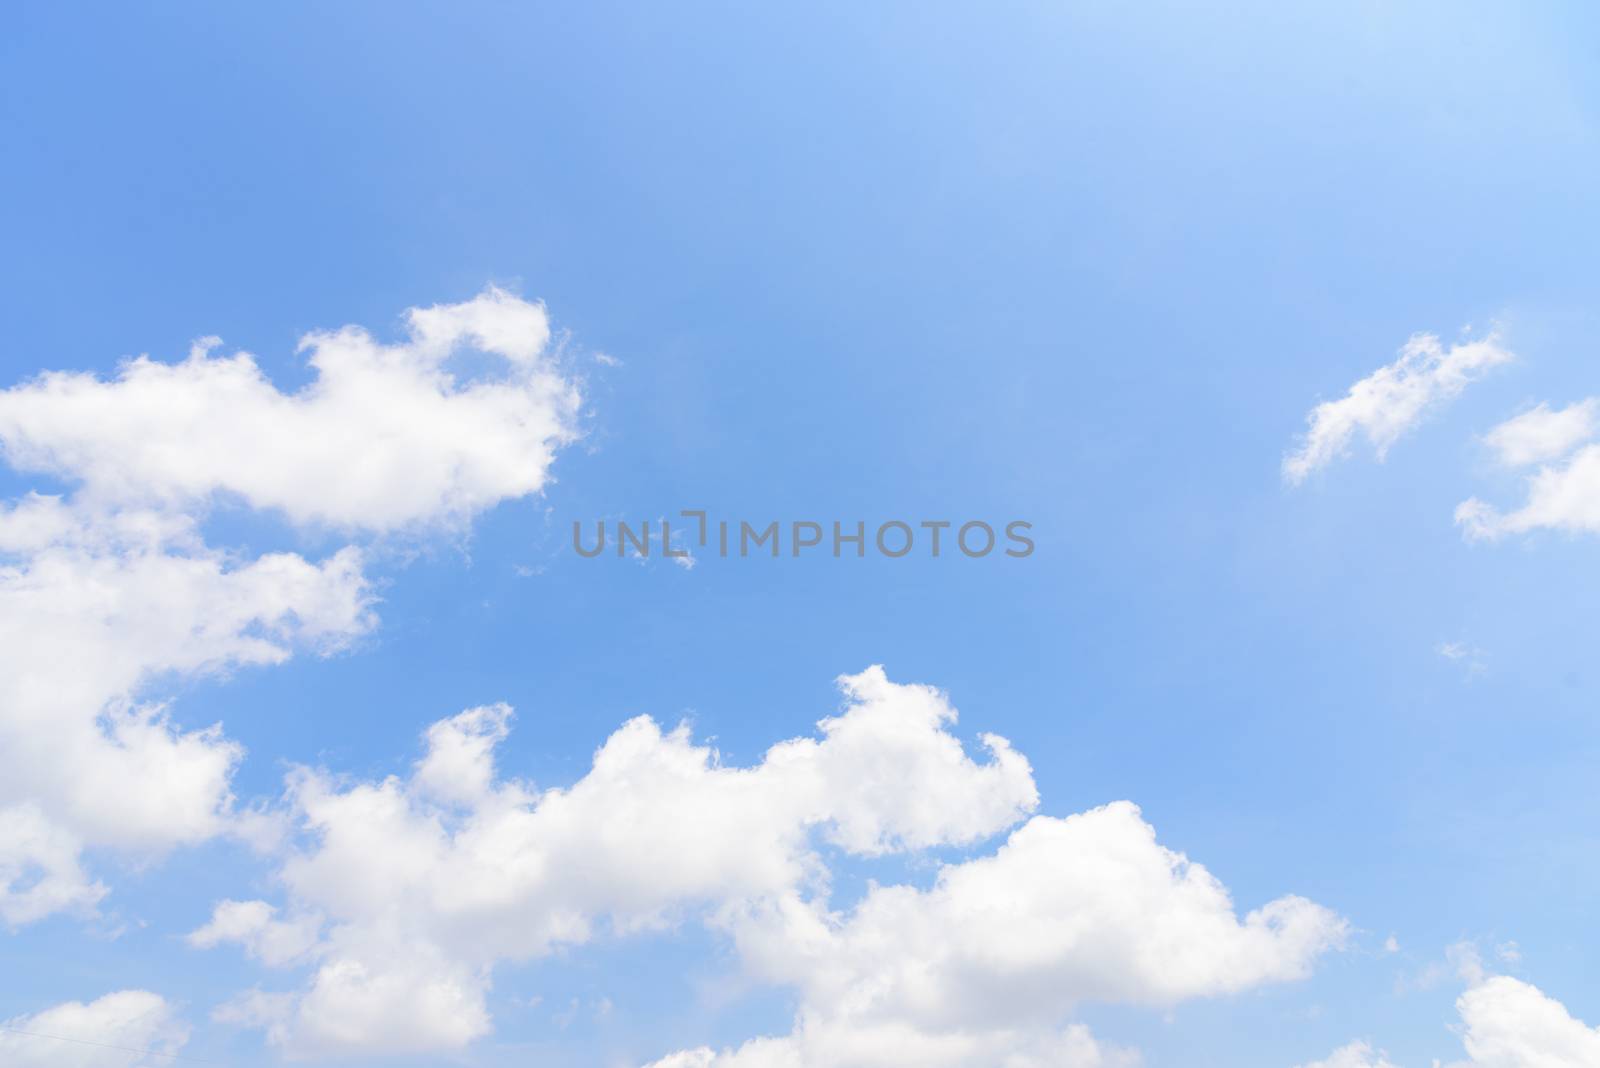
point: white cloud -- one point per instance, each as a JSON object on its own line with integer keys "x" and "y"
{"x": 86, "y": 622}
{"x": 255, "y": 926}
{"x": 1539, "y": 435}
{"x": 428, "y": 881}
{"x": 1393, "y": 399}
{"x": 126, "y": 1029}
{"x": 1355, "y": 1055}
{"x": 1510, "y": 1024}
{"x": 830, "y": 1044}
{"x": 1563, "y": 495}
{"x": 40, "y": 872}
{"x": 982, "y": 967}
{"x": 110, "y": 591}
{"x": 386, "y": 436}
{"x": 1094, "y": 908}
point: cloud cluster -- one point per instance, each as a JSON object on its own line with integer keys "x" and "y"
{"x": 110, "y": 590}
{"x": 421, "y": 885}
{"x": 1393, "y": 399}
{"x": 126, "y": 1029}
{"x": 400, "y": 897}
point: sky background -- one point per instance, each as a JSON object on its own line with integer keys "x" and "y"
{"x": 1070, "y": 263}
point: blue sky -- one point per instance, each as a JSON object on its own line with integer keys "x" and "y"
{"x": 1072, "y": 264}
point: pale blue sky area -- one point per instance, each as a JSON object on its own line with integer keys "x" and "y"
{"x": 1081, "y": 264}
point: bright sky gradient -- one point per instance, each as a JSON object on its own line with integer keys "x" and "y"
{"x": 1276, "y": 323}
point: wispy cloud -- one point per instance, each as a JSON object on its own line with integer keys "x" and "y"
{"x": 1393, "y": 399}
{"x": 1469, "y": 656}
{"x": 1542, "y": 434}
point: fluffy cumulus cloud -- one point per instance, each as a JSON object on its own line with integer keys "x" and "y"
{"x": 982, "y": 967}
{"x": 255, "y": 926}
{"x": 109, "y": 590}
{"x": 383, "y": 437}
{"x": 126, "y": 1029}
{"x": 1387, "y": 403}
{"x": 1563, "y": 491}
{"x": 40, "y": 867}
{"x": 1508, "y": 1023}
{"x": 422, "y": 884}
